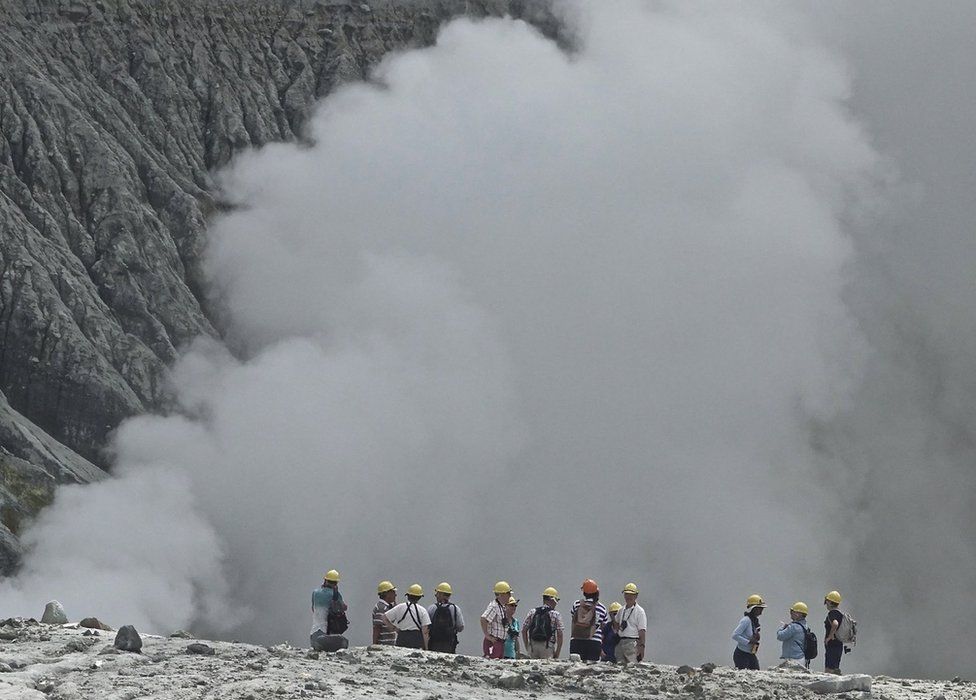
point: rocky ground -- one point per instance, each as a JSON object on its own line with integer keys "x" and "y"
{"x": 71, "y": 661}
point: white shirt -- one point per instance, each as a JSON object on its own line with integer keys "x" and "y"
{"x": 404, "y": 620}
{"x": 636, "y": 620}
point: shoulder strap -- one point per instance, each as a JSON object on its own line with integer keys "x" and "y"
{"x": 405, "y": 613}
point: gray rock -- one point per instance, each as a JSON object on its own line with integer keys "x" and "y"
{"x": 511, "y": 681}
{"x": 840, "y": 684}
{"x": 707, "y": 668}
{"x": 54, "y": 614}
{"x": 128, "y": 639}
{"x": 201, "y": 649}
{"x": 5, "y": 668}
{"x": 686, "y": 670}
{"x": 181, "y": 634}
{"x": 75, "y": 646}
{"x": 95, "y": 624}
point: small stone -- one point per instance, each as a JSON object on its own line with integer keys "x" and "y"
{"x": 201, "y": 649}
{"x": 46, "y": 687}
{"x": 108, "y": 651}
{"x": 707, "y": 668}
{"x": 54, "y": 614}
{"x": 511, "y": 681}
{"x": 575, "y": 657}
{"x": 5, "y": 668}
{"x": 128, "y": 639}
{"x": 95, "y": 624}
{"x": 685, "y": 670}
{"x": 840, "y": 684}
{"x": 75, "y": 645}
{"x": 181, "y": 634}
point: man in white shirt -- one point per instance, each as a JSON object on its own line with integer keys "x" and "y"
{"x": 631, "y": 627}
{"x": 410, "y": 620}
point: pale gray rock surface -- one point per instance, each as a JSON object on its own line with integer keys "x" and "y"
{"x": 114, "y": 116}
{"x": 841, "y": 684}
{"x": 164, "y": 671}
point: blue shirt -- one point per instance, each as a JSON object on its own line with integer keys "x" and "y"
{"x": 510, "y": 640}
{"x": 743, "y": 634}
{"x": 609, "y": 645}
{"x": 321, "y": 600}
{"x": 793, "y": 637}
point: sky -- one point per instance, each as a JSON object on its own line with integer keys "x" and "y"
{"x": 689, "y": 305}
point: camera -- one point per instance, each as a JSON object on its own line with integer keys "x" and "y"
{"x": 623, "y": 625}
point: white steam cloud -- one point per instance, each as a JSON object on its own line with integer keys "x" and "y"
{"x": 518, "y": 313}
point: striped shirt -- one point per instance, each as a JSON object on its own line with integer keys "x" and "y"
{"x": 494, "y": 614}
{"x": 602, "y": 618}
{"x": 387, "y": 636}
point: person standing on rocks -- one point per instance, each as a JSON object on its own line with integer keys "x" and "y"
{"x": 445, "y": 620}
{"x": 512, "y": 629}
{"x": 542, "y": 629}
{"x": 631, "y": 626}
{"x": 793, "y": 634}
{"x": 589, "y": 616}
{"x": 746, "y": 635}
{"x": 833, "y": 647}
{"x": 328, "y": 612}
{"x": 410, "y": 620}
{"x": 493, "y": 624}
{"x": 381, "y": 633}
{"x": 610, "y": 636}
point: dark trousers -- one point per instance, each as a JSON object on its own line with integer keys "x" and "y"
{"x": 588, "y": 649}
{"x": 411, "y": 639}
{"x": 445, "y": 646}
{"x": 833, "y": 650}
{"x": 743, "y": 659}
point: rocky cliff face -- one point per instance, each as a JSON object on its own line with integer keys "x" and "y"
{"x": 114, "y": 115}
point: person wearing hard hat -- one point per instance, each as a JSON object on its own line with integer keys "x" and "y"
{"x": 588, "y": 616}
{"x": 631, "y": 626}
{"x": 382, "y": 634}
{"x": 493, "y": 623}
{"x": 833, "y": 647}
{"x": 410, "y": 620}
{"x": 542, "y": 629}
{"x": 445, "y": 620}
{"x": 793, "y": 634}
{"x": 512, "y": 629}
{"x": 610, "y": 636}
{"x": 746, "y": 635}
{"x": 328, "y": 611}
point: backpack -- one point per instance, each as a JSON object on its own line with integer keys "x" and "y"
{"x": 810, "y": 646}
{"x": 336, "y": 620}
{"x": 847, "y": 630}
{"x": 584, "y": 620}
{"x": 541, "y": 628}
{"x": 442, "y": 624}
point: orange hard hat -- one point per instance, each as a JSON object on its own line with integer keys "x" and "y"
{"x": 589, "y": 586}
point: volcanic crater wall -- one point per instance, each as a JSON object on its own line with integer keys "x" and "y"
{"x": 114, "y": 115}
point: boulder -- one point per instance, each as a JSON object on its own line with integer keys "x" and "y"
{"x": 54, "y": 614}
{"x": 201, "y": 649}
{"x": 841, "y": 684}
{"x": 181, "y": 634}
{"x": 128, "y": 639}
{"x": 93, "y": 623}
{"x": 707, "y": 668}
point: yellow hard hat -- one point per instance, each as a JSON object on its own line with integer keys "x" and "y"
{"x": 502, "y": 587}
{"x": 615, "y": 606}
{"x": 550, "y": 593}
{"x": 833, "y": 597}
{"x": 513, "y": 601}
{"x": 755, "y": 601}
{"x": 799, "y": 607}
{"x": 444, "y": 587}
{"x": 416, "y": 590}
{"x": 385, "y": 586}
{"x": 332, "y": 575}
{"x": 630, "y": 588}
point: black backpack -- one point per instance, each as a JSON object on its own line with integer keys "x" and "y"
{"x": 336, "y": 621}
{"x": 809, "y": 643}
{"x": 442, "y": 624}
{"x": 541, "y": 628}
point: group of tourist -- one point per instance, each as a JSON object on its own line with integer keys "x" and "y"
{"x": 615, "y": 633}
